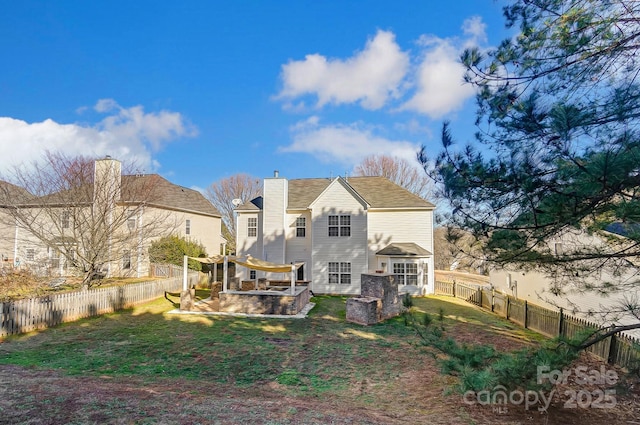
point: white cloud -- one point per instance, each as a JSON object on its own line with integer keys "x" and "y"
{"x": 129, "y": 134}
{"x": 440, "y": 88}
{"x": 345, "y": 144}
{"x": 369, "y": 77}
{"x": 476, "y": 29}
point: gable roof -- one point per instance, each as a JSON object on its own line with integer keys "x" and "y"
{"x": 253, "y": 205}
{"x": 342, "y": 182}
{"x": 378, "y": 192}
{"x": 408, "y": 249}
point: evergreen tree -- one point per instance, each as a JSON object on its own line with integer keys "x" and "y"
{"x": 557, "y": 152}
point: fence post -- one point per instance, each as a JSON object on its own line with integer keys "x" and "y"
{"x": 454, "y": 289}
{"x": 560, "y": 320}
{"x": 506, "y": 310}
{"x": 526, "y": 313}
{"x": 493, "y": 291}
{"x": 613, "y": 348}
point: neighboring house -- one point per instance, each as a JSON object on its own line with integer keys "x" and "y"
{"x": 8, "y": 232}
{"x": 338, "y": 229}
{"x": 127, "y": 211}
{"x": 568, "y": 292}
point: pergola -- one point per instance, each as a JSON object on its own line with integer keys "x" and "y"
{"x": 248, "y": 261}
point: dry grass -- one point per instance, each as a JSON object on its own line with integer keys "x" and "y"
{"x": 20, "y": 284}
{"x": 144, "y": 366}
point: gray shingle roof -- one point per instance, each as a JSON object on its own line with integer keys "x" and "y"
{"x": 12, "y": 194}
{"x": 166, "y": 194}
{"x": 404, "y": 249}
{"x": 149, "y": 188}
{"x": 302, "y": 192}
{"x": 378, "y": 192}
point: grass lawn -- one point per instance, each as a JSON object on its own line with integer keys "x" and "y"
{"x": 146, "y": 366}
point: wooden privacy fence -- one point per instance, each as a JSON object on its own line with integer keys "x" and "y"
{"x": 38, "y": 313}
{"x": 620, "y": 350}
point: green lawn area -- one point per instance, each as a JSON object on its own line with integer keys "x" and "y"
{"x": 313, "y": 355}
{"x": 325, "y": 367}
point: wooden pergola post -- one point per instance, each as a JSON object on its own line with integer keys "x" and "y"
{"x": 225, "y": 272}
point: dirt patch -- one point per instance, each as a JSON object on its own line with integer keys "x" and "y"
{"x": 35, "y": 396}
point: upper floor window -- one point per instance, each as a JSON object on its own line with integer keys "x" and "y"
{"x": 301, "y": 227}
{"x": 66, "y": 215}
{"x": 31, "y": 254}
{"x": 187, "y": 227}
{"x": 339, "y": 273}
{"x": 131, "y": 221}
{"x": 339, "y": 225}
{"x": 252, "y": 227}
{"x": 252, "y": 275}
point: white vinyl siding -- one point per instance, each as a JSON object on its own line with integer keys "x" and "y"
{"x": 274, "y": 219}
{"x": 389, "y": 226}
{"x": 338, "y": 201}
{"x": 298, "y": 249}
{"x": 246, "y": 245}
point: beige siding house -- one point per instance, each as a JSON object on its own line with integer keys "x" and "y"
{"x": 338, "y": 229}
{"x": 128, "y": 211}
{"x": 568, "y": 292}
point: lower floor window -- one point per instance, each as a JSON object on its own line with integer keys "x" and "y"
{"x": 126, "y": 260}
{"x": 407, "y": 273}
{"x": 252, "y": 275}
{"x": 339, "y": 273}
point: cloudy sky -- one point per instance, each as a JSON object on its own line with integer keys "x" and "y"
{"x": 201, "y": 90}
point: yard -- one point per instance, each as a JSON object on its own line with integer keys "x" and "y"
{"x": 144, "y": 366}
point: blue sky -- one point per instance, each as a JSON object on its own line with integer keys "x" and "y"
{"x": 201, "y": 90}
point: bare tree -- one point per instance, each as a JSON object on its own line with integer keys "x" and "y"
{"x": 222, "y": 194}
{"x": 77, "y": 214}
{"x": 399, "y": 171}
{"x": 455, "y": 249}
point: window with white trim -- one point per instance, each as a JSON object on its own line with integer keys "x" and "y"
{"x": 252, "y": 275}
{"x": 252, "y": 227}
{"x": 187, "y": 227}
{"x": 407, "y": 273}
{"x": 54, "y": 257}
{"x": 31, "y": 254}
{"x": 301, "y": 227}
{"x": 131, "y": 220}
{"x": 126, "y": 260}
{"x": 340, "y": 225}
{"x": 339, "y": 273}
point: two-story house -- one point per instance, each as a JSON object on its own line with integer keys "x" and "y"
{"x": 105, "y": 218}
{"x": 338, "y": 229}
